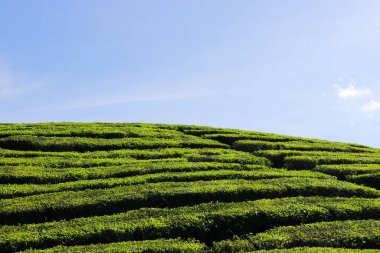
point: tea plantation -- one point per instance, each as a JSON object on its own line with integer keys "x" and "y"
{"x": 131, "y": 187}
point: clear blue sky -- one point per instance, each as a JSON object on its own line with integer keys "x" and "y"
{"x": 305, "y": 68}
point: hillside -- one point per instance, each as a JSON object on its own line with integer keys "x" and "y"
{"x": 113, "y": 187}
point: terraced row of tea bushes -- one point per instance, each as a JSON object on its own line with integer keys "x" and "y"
{"x": 209, "y": 155}
{"x": 151, "y": 246}
{"x": 90, "y": 130}
{"x": 17, "y": 190}
{"x": 119, "y": 153}
{"x": 344, "y": 170}
{"x": 198, "y": 155}
{"x": 82, "y": 144}
{"x": 83, "y": 132}
{"x": 316, "y": 250}
{"x": 71, "y": 204}
{"x": 8, "y": 153}
{"x": 43, "y": 175}
{"x": 114, "y": 157}
{"x": 150, "y": 153}
{"x": 231, "y": 138}
{"x": 70, "y": 162}
{"x": 157, "y": 153}
{"x": 254, "y": 145}
{"x": 63, "y": 125}
{"x": 207, "y": 222}
{"x": 201, "y": 131}
{"x": 277, "y": 157}
{"x": 349, "y": 234}
{"x": 371, "y": 180}
{"x": 202, "y": 155}
{"x": 179, "y": 246}
{"x": 310, "y": 162}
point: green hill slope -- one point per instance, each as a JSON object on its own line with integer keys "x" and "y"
{"x": 113, "y": 187}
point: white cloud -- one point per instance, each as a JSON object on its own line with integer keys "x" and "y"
{"x": 356, "y": 99}
{"x": 351, "y": 92}
{"x": 371, "y": 107}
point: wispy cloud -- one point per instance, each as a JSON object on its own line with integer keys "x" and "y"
{"x": 121, "y": 99}
{"x": 126, "y": 97}
{"x": 155, "y": 91}
{"x": 371, "y": 107}
{"x": 6, "y": 82}
{"x": 351, "y": 92}
{"x": 15, "y": 84}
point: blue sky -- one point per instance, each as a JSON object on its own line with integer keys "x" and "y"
{"x": 305, "y": 68}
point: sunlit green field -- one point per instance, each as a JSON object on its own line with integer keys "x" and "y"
{"x": 115, "y": 187}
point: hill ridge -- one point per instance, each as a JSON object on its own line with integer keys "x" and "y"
{"x": 137, "y": 187}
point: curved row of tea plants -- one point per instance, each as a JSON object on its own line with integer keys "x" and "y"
{"x": 212, "y": 173}
{"x": 42, "y": 175}
{"x": 207, "y": 222}
{"x": 70, "y": 204}
{"x": 349, "y": 234}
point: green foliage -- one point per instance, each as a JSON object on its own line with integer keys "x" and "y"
{"x": 72, "y": 204}
{"x": 122, "y": 157}
{"x": 350, "y": 234}
{"x": 152, "y": 246}
{"x": 256, "y": 145}
{"x": 322, "y": 157}
{"x": 42, "y": 175}
{"x": 82, "y": 144}
{"x": 207, "y": 222}
{"x": 111, "y": 131}
{"x": 371, "y": 179}
{"x": 226, "y": 156}
{"x": 214, "y": 173}
{"x": 310, "y": 162}
{"x": 339, "y": 169}
{"x": 316, "y": 250}
{"x": 233, "y": 138}
{"x": 300, "y": 163}
{"x": 344, "y": 170}
{"x": 133, "y": 187}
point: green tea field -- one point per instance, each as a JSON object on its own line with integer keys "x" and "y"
{"x": 134, "y": 187}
